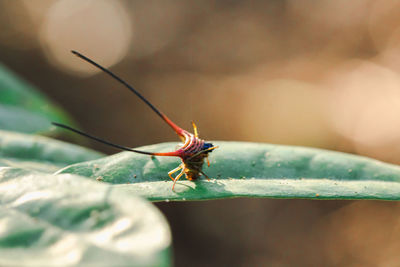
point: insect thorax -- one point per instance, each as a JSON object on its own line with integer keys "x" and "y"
{"x": 195, "y": 163}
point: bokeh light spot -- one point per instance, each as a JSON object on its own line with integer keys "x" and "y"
{"x": 99, "y": 29}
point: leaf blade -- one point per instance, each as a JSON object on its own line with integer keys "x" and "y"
{"x": 243, "y": 169}
{"x": 68, "y": 220}
{"x": 40, "y": 153}
{"x": 23, "y": 108}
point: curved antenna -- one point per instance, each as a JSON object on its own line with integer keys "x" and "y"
{"x": 174, "y": 153}
{"x": 99, "y": 139}
{"x": 176, "y": 128}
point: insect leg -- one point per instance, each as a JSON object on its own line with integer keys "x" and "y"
{"x": 177, "y": 177}
{"x": 205, "y": 175}
{"x": 174, "y": 171}
{"x": 196, "y": 133}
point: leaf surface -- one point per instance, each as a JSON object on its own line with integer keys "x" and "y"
{"x": 40, "y": 153}
{"x": 24, "y": 109}
{"x": 66, "y": 220}
{"x": 240, "y": 169}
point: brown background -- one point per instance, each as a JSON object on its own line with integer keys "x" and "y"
{"x": 314, "y": 73}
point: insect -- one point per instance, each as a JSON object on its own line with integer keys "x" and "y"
{"x": 192, "y": 152}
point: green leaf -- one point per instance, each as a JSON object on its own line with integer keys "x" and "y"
{"x": 64, "y": 220}
{"x": 40, "y": 153}
{"x": 23, "y": 108}
{"x": 240, "y": 169}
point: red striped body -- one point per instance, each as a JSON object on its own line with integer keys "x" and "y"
{"x": 192, "y": 153}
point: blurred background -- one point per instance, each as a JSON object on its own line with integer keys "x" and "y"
{"x": 322, "y": 74}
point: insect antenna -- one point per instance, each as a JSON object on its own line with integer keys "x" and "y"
{"x": 101, "y": 140}
{"x": 176, "y": 128}
{"x": 168, "y": 154}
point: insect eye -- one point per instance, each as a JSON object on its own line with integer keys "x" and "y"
{"x": 207, "y": 146}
